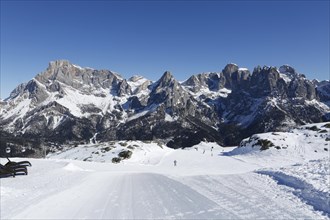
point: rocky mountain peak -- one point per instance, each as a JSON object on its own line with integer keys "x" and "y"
{"x": 61, "y": 70}
{"x": 264, "y": 71}
{"x": 265, "y": 80}
{"x": 166, "y": 82}
{"x": 135, "y": 78}
{"x": 18, "y": 90}
{"x": 59, "y": 63}
{"x": 84, "y": 79}
{"x": 290, "y": 72}
{"x": 192, "y": 81}
{"x": 230, "y": 68}
{"x": 234, "y": 76}
{"x": 166, "y": 78}
{"x": 211, "y": 81}
{"x": 169, "y": 91}
{"x": 287, "y": 69}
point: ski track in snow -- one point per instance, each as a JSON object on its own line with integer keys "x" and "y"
{"x": 251, "y": 196}
{"x": 124, "y": 196}
{"x": 141, "y": 196}
{"x": 65, "y": 190}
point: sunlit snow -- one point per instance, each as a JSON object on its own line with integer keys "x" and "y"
{"x": 208, "y": 181}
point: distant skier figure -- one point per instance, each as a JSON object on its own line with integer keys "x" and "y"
{"x": 212, "y": 148}
{"x": 175, "y": 163}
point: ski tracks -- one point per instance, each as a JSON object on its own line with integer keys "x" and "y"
{"x": 154, "y": 196}
{"x": 108, "y": 195}
{"x": 105, "y": 195}
{"x": 251, "y": 196}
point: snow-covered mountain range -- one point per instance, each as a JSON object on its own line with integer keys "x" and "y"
{"x": 70, "y": 104}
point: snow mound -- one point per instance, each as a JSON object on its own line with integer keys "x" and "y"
{"x": 73, "y": 167}
{"x": 146, "y": 152}
{"x": 309, "y": 182}
{"x": 305, "y": 140}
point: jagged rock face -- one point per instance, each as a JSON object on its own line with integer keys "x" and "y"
{"x": 17, "y": 91}
{"x": 69, "y": 103}
{"x": 264, "y": 81}
{"x": 323, "y": 91}
{"x": 240, "y": 79}
{"x": 212, "y": 81}
{"x": 36, "y": 93}
{"x": 139, "y": 83}
{"x": 288, "y": 70}
{"x": 300, "y": 87}
{"x": 168, "y": 91}
{"x": 81, "y": 78}
{"x": 270, "y": 101}
{"x": 235, "y": 78}
{"x": 229, "y": 70}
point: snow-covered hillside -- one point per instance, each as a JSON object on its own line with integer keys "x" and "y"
{"x": 311, "y": 141}
{"x": 209, "y": 181}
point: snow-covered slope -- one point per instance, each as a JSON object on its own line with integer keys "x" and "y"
{"x": 208, "y": 182}
{"x": 308, "y": 142}
{"x": 311, "y": 140}
{"x": 143, "y": 152}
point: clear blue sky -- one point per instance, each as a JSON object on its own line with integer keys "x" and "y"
{"x": 147, "y": 38}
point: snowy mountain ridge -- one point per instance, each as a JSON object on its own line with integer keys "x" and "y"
{"x": 69, "y": 103}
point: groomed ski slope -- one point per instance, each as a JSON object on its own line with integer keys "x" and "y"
{"x": 203, "y": 185}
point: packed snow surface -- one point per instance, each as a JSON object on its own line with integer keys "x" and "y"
{"x": 208, "y": 182}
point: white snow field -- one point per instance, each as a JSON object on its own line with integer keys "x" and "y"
{"x": 218, "y": 183}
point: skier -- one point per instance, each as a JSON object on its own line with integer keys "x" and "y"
{"x": 174, "y": 162}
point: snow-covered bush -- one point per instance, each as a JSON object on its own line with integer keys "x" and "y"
{"x": 116, "y": 160}
{"x": 326, "y": 125}
{"x": 130, "y": 147}
{"x": 265, "y": 144}
{"x": 126, "y": 154}
{"x": 313, "y": 128}
{"x": 256, "y": 141}
{"x": 123, "y": 144}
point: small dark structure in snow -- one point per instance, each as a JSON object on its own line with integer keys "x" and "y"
{"x": 12, "y": 168}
